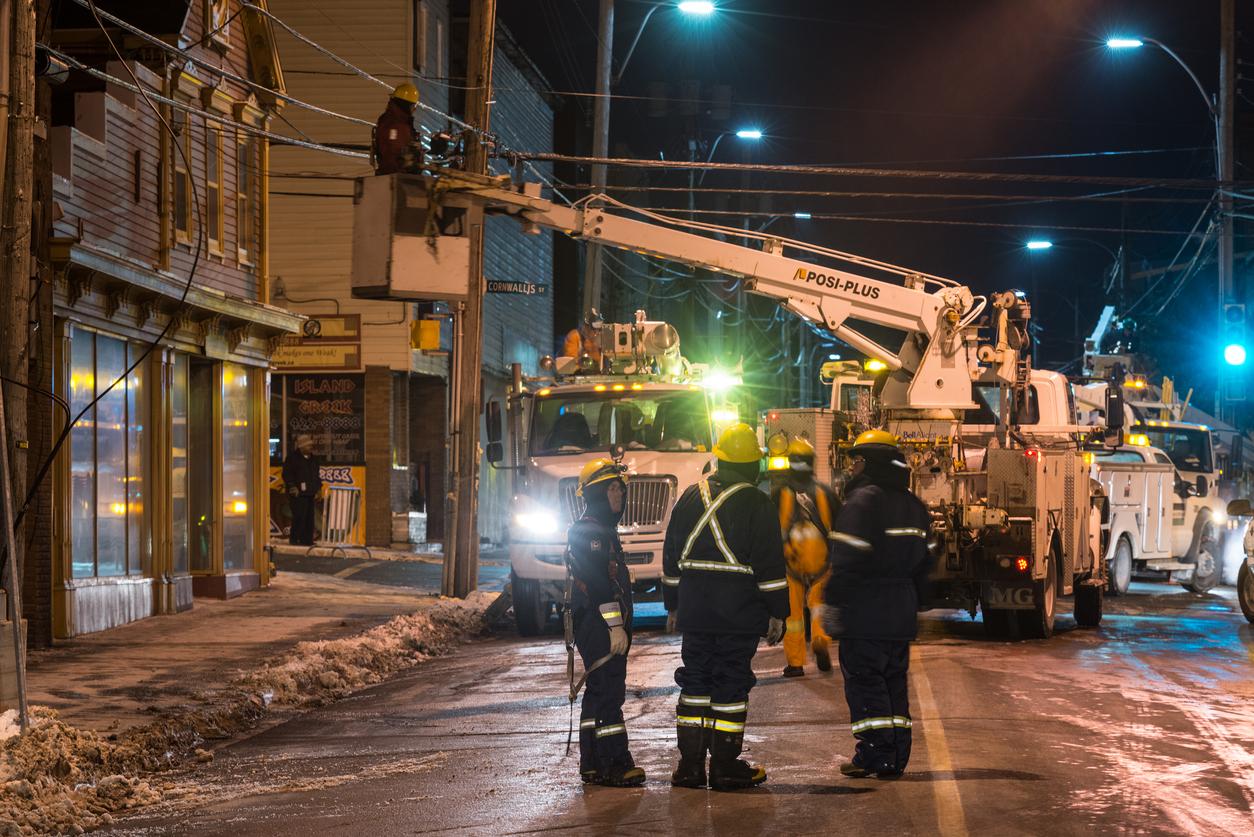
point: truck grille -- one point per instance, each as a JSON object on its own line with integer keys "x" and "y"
{"x": 648, "y": 500}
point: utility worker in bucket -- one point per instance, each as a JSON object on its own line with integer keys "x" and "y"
{"x": 397, "y": 146}
{"x": 724, "y": 587}
{"x": 806, "y": 513}
{"x": 600, "y": 607}
{"x": 880, "y": 563}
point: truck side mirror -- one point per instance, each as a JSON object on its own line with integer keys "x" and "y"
{"x": 1240, "y": 508}
{"x": 493, "y": 421}
{"x": 1114, "y": 416}
{"x": 495, "y": 452}
{"x": 1202, "y": 485}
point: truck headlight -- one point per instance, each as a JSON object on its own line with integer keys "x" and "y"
{"x": 537, "y": 523}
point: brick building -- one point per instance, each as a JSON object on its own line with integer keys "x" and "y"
{"x": 404, "y": 415}
{"x": 161, "y": 337}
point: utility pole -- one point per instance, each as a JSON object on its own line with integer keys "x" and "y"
{"x": 600, "y": 145}
{"x": 461, "y": 551}
{"x": 17, "y": 160}
{"x": 1223, "y": 173}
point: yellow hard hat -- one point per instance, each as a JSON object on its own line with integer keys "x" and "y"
{"x": 406, "y": 93}
{"x": 874, "y": 437}
{"x": 777, "y": 444}
{"x": 801, "y": 448}
{"x": 600, "y": 470}
{"x": 738, "y": 444}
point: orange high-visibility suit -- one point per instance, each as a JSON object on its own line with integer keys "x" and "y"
{"x": 804, "y": 526}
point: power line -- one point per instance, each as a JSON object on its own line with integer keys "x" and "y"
{"x": 856, "y": 171}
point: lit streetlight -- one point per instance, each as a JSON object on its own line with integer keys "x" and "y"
{"x": 696, "y": 7}
{"x": 1039, "y": 244}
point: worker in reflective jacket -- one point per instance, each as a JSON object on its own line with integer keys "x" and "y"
{"x": 724, "y": 587}
{"x": 600, "y": 602}
{"x": 806, "y": 511}
{"x": 880, "y": 563}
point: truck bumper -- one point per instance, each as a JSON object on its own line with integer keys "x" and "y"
{"x": 546, "y": 563}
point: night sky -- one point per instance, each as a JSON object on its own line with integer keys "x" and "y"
{"x": 936, "y": 86}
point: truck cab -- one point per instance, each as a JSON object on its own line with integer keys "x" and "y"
{"x": 662, "y": 425}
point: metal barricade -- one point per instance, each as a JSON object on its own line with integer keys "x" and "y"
{"x": 341, "y": 512}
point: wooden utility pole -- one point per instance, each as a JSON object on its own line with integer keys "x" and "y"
{"x": 19, "y": 108}
{"x": 600, "y": 145}
{"x": 461, "y": 550}
{"x": 1223, "y": 173}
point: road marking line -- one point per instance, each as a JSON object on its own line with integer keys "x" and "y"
{"x": 950, "y": 819}
{"x": 347, "y": 571}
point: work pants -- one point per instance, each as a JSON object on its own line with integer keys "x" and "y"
{"x": 714, "y": 683}
{"x": 302, "y": 533}
{"x": 800, "y": 596}
{"x": 602, "y": 733}
{"x": 879, "y": 708}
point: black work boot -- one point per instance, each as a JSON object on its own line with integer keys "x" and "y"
{"x": 620, "y": 776}
{"x": 728, "y": 772}
{"x": 794, "y": 671}
{"x": 691, "y": 770}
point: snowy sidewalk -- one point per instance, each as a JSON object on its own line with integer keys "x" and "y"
{"x": 122, "y": 677}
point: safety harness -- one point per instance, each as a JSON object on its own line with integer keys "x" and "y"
{"x": 709, "y": 519}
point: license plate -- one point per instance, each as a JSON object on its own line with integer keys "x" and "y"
{"x": 1009, "y": 598}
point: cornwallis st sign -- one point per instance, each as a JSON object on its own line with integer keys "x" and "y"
{"x": 498, "y": 286}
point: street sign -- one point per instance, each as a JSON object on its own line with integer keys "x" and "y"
{"x": 497, "y": 286}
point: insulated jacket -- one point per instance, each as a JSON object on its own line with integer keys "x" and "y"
{"x": 394, "y": 136}
{"x": 880, "y": 563}
{"x": 725, "y": 571}
{"x": 301, "y": 472}
{"x": 600, "y": 583}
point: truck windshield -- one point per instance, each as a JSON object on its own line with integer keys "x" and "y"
{"x": 1188, "y": 447}
{"x": 583, "y": 421}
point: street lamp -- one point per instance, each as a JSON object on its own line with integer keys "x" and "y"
{"x": 601, "y": 114}
{"x": 1220, "y": 110}
{"x": 749, "y": 134}
{"x": 1039, "y": 244}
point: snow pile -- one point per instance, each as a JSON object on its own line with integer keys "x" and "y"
{"x": 9, "y": 725}
{"x": 317, "y": 671}
{"x": 58, "y": 779}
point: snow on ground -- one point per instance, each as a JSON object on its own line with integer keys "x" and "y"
{"x": 58, "y": 779}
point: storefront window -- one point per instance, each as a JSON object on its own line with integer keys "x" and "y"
{"x": 237, "y": 477}
{"x": 178, "y": 463}
{"x": 108, "y": 532}
{"x": 82, "y": 455}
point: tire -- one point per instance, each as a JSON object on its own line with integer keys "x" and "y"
{"x": 1088, "y": 605}
{"x": 1120, "y": 568}
{"x": 1038, "y": 623}
{"x": 1208, "y": 559}
{"x": 1245, "y": 591}
{"x": 530, "y": 612}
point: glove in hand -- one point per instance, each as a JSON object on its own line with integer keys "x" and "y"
{"x": 774, "y": 631}
{"x": 672, "y": 621}
{"x": 618, "y": 640}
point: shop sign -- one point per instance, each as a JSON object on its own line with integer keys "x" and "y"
{"x": 298, "y": 356}
{"x": 331, "y": 409}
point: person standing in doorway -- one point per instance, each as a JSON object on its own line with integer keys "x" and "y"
{"x": 880, "y": 563}
{"x": 303, "y": 482}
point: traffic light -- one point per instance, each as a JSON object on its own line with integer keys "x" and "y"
{"x": 1233, "y": 335}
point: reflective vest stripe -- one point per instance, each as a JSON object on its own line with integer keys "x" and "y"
{"x": 716, "y": 566}
{"x": 777, "y": 584}
{"x": 850, "y": 540}
{"x": 588, "y": 723}
{"x": 906, "y": 530}
{"x": 709, "y": 518}
{"x": 614, "y": 729}
{"x": 728, "y": 708}
{"x": 671, "y": 580}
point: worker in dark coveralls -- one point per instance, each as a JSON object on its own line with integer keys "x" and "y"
{"x": 396, "y": 142}
{"x": 724, "y": 587}
{"x": 600, "y": 602}
{"x": 303, "y": 482}
{"x": 880, "y": 563}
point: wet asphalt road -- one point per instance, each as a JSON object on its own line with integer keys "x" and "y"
{"x": 1145, "y": 726}
{"x": 422, "y": 573}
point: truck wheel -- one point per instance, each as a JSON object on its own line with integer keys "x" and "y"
{"x": 1245, "y": 591}
{"x": 1120, "y": 568}
{"x": 530, "y": 611}
{"x": 1088, "y": 605}
{"x": 1207, "y": 559}
{"x": 1038, "y": 623}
